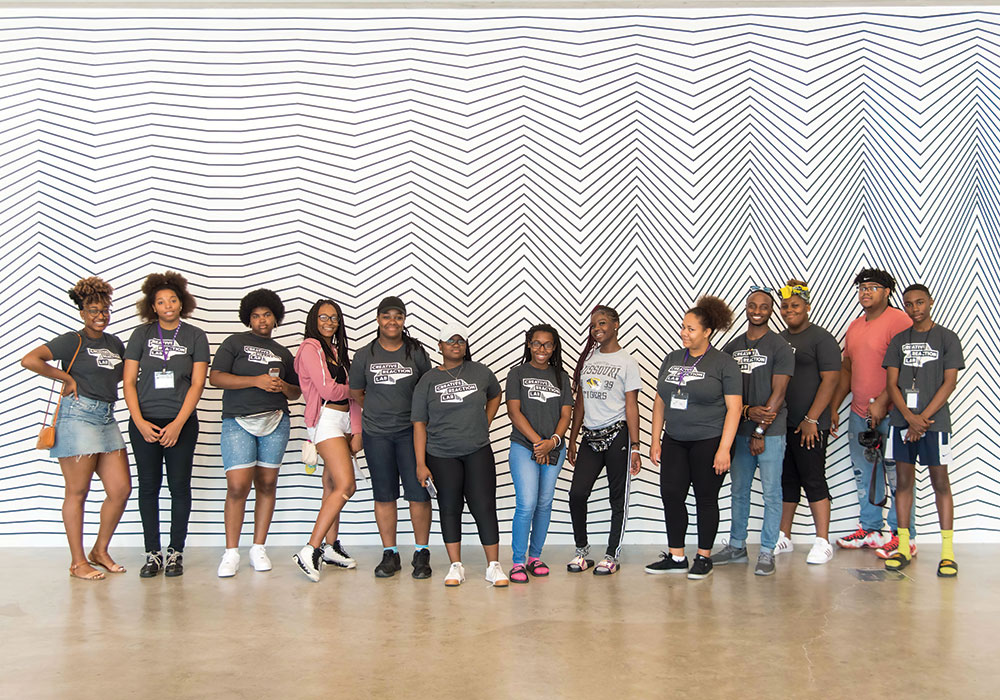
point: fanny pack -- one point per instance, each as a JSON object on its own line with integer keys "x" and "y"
{"x": 260, "y": 424}
{"x": 600, "y": 439}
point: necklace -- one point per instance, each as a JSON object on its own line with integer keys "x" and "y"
{"x": 454, "y": 376}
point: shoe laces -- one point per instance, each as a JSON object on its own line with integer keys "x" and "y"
{"x": 154, "y": 558}
{"x": 172, "y": 556}
{"x": 893, "y": 543}
{"x": 339, "y": 549}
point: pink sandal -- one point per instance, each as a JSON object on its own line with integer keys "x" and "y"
{"x": 537, "y": 567}
{"x": 519, "y": 574}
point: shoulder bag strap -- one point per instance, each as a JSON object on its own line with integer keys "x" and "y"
{"x": 59, "y": 402}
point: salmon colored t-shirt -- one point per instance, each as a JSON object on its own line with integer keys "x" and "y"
{"x": 865, "y": 346}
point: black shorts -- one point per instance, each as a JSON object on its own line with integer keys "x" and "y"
{"x": 804, "y": 469}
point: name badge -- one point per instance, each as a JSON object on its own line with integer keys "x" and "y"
{"x": 912, "y": 398}
{"x": 163, "y": 379}
{"x": 679, "y": 400}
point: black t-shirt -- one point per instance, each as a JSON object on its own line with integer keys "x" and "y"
{"x": 759, "y": 361}
{"x": 542, "y": 395}
{"x": 453, "y": 405}
{"x": 922, "y": 359}
{"x": 815, "y": 351}
{"x": 707, "y": 380}
{"x": 388, "y": 379}
{"x": 249, "y": 355}
{"x": 98, "y": 367}
{"x": 184, "y": 346}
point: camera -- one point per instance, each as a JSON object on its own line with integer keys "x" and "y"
{"x": 871, "y": 440}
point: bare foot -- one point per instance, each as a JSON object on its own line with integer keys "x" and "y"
{"x": 105, "y": 561}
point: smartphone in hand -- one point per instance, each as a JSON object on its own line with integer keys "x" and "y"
{"x": 429, "y": 485}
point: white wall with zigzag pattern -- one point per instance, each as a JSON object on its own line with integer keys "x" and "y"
{"x": 499, "y": 169}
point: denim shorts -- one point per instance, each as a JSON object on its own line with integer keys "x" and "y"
{"x": 242, "y": 450}
{"x": 390, "y": 460}
{"x": 86, "y": 427}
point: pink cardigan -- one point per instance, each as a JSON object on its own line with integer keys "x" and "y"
{"x": 318, "y": 386}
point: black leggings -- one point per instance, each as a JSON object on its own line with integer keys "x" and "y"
{"x": 149, "y": 460}
{"x": 682, "y": 463}
{"x": 474, "y": 478}
{"x": 589, "y": 465}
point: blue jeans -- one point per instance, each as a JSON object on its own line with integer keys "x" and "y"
{"x": 534, "y": 489}
{"x": 744, "y": 465}
{"x": 871, "y": 516}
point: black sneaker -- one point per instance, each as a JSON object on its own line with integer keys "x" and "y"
{"x": 175, "y": 563}
{"x": 667, "y": 565}
{"x": 389, "y": 565}
{"x": 153, "y": 565}
{"x": 421, "y": 563}
{"x": 701, "y": 568}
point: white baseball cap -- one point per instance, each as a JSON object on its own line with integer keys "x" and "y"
{"x": 450, "y": 330}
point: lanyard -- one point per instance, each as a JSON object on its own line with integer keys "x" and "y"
{"x": 687, "y": 357}
{"x": 916, "y": 368}
{"x": 163, "y": 346}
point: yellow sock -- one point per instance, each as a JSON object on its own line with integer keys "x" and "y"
{"x": 947, "y": 550}
{"x": 904, "y": 541}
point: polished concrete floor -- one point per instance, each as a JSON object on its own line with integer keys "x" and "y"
{"x": 804, "y": 632}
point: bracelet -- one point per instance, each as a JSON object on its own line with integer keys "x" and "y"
{"x": 757, "y": 436}
{"x": 807, "y": 419}
{"x": 556, "y": 439}
{"x": 746, "y": 409}
{"x": 634, "y": 444}
{"x": 636, "y": 452}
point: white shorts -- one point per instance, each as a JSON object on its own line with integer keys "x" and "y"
{"x": 332, "y": 424}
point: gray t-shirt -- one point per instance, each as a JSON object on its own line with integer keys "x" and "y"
{"x": 707, "y": 380}
{"x": 249, "y": 355}
{"x": 184, "y": 346}
{"x": 542, "y": 394}
{"x": 922, "y": 359}
{"x": 453, "y": 405}
{"x": 815, "y": 351}
{"x": 98, "y": 367}
{"x": 604, "y": 380}
{"x": 388, "y": 379}
{"x": 759, "y": 361}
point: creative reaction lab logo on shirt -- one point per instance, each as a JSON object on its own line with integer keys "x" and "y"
{"x": 173, "y": 348}
{"x": 749, "y": 360}
{"x": 104, "y": 357}
{"x": 261, "y": 356}
{"x": 918, "y": 354}
{"x": 389, "y": 372}
{"x": 540, "y": 389}
{"x": 691, "y": 374}
{"x": 455, "y": 391}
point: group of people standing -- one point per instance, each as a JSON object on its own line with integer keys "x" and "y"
{"x": 765, "y": 400}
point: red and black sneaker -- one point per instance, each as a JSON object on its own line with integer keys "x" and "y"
{"x": 861, "y": 538}
{"x": 891, "y": 546}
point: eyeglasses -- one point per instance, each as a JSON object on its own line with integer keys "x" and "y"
{"x": 862, "y": 288}
{"x": 536, "y": 345}
{"x": 326, "y": 319}
{"x": 454, "y": 341}
{"x": 758, "y": 288}
{"x": 94, "y": 313}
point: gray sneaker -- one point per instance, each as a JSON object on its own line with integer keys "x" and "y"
{"x": 730, "y": 555}
{"x": 765, "y": 564}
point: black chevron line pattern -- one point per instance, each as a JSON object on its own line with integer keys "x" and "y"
{"x": 499, "y": 170}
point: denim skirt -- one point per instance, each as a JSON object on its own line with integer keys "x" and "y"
{"x": 86, "y": 427}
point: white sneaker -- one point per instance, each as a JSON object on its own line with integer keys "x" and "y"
{"x": 309, "y": 559}
{"x": 784, "y": 544}
{"x": 230, "y": 563}
{"x": 335, "y": 555}
{"x": 821, "y": 552}
{"x": 258, "y": 558}
{"x": 496, "y": 576}
{"x": 455, "y": 575}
